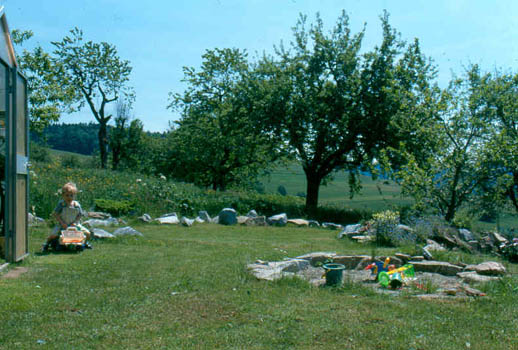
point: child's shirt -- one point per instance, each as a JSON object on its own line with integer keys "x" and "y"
{"x": 68, "y": 213}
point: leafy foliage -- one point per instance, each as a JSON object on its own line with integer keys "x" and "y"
{"x": 335, "y": 107}
{"x": 218, "y": 142}
{"x": 49, "y": 93}
{"x": 114, "y": 207}
{"x": 97, "y": 73}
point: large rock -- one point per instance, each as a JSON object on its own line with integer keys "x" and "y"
{"x": 439, "y": 267}
{"x": 466, "y": 235}
{"x": 332, "y": 226}
{"x": 278, "y": 269}
{"x": 145, "y": 218}
{"x": 227, "y": 216}
{"x": 256, "y": 221}
{"x": 204, "y": 216}
{"x": 33, "y": 220}
{"x": 433, "y": 246}
{"x": 171, "y": 218}
{"x": 299, "y": 222}
{"x": 252, "y": 214}
{"x": 241, "y": 220}
{"x": 99, "y": 222}
{"x": 497, "y": 238}
{"x": 313, "y": 223}
{"x": 278, "y": 220}
{"x": 488, "y": 268}
{"x": 317, "y": 257}
{"x": 350, "y": 261}
{"x": 474, "y": 277}
{"x": 349, "y": 231}
{"x": 186, "y": 221}
{"x": 100, "y": 233}
{"x": 127, "y": 231}
{"x": 98, "y": 215}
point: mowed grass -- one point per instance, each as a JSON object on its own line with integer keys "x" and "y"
{"x": 376, "y": 195}
{"x": 188, "y": 288}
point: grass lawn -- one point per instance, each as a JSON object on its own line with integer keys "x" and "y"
{"x": 188, "y": 288}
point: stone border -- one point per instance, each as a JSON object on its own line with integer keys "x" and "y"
{"x": 3, "y": 267}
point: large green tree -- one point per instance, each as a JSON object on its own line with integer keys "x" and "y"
{"x": 454, "y": 172}
{"x": 218, "y": 141}
{"x": 49, "y": 92}
{"x": 338, "y": 108}
{"x": 99, "y": 76}
{"x": 501, "y": 103}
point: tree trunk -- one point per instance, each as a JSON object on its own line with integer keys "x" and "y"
{"x": 313, "y": 187}
{"x": 103, "y": 140}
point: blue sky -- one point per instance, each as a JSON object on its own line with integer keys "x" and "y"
{"x": 159, "y": 37}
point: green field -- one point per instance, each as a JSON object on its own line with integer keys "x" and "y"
{"x": 375, "y": 195}
{"x": 188, "y": 288}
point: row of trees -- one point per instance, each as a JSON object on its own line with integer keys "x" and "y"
{"x": 332, "y": 107}
{"x": 320, "y": 100}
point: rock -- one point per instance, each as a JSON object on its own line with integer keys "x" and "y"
{"x": 332, "y": 226}
{"x": 313, "y": 223}
{"x": 278, "y": 220}
{"x": 363, "y": 239}
{"x": 33, "y": 220}
{"x": 488, "y": 268}
{"x": 186, "y": 221}
{"x": 417, "y": 258}
{"x": 252, "y": 214}
{"x": 215, "y": 220}
{"x": 466, "y": 235}
{"x": 98, "y": 215}
{"x": 350, "y": 261}
{"x": 474, "y": 277}
{"x": 199, "y": 220}
{"x": 433, "y": 246}
{"x": 241, "y": 220}
{"x": 350, "y": 230}
{"x": 256, "y": 221}
{"x": 404, "y": 257}
{"x": 227, "y": 216}
{"x": 317, "y": 257}
{"x": 204, "y": 216}
{"x": 100, "y": 233}
{"x": 472, "y": 292}
{"x": 298, "y": 222}
{"x": 278, "y": 269}
{"x": 145, "y": 218}
{"x": 445, "y": 239}
{"x": 497, "y": 238}
{"x": 427, "y": 255}
{"x": 127, "y": 231}
{"x": 439, "y": 267}
{"x": 171, "y": 218}
{"x": 98, "y": 222}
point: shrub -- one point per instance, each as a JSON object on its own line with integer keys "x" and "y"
{"x": 70, "y": 161}
{"x": 385, "y": 224}
{"x": 282, "y": 190}
{"x": 38, "y": 153}
{"x": 114, "y": 207}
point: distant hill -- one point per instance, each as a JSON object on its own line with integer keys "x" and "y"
{"x": 77, "y": 138}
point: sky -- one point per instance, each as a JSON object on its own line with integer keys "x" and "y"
{"x": 160, "y": 37}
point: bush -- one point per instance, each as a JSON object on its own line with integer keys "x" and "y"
{"x": 282, "y": 190}
{"x": 114, "y": 207}
{"x": 385, "y": 224}
{"x": 70, "y": 161}
{"x": 38, "y": 153}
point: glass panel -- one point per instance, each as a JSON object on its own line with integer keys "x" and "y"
{"x": 21, "y": 216}
{"x": 21, "y": 134}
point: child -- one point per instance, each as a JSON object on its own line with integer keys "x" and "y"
{"x": 67, "y": 212}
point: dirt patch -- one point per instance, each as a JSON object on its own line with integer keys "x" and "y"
{"x": 15, "y": 273}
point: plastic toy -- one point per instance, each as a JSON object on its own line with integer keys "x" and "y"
{"x": 377, "y": 267}
{"x": 396, "y": 277}
{"x": 70, "y": 239}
